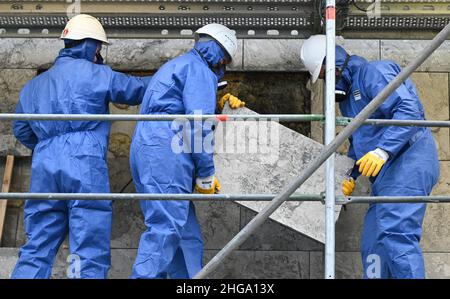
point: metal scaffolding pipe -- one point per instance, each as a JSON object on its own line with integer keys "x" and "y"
{"x": 340, "y": 200}
{"x": 344, "y": 121}
{"x": 162, "y": 117}
{"x": 340, "y": 121}
{"x": 328, "y": 150}
{"x": 330, "y": 133}
{"x": 140, "y": 196}
{"x": 392, "y": 199}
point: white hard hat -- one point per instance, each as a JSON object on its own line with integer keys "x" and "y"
{"x": 84, "y": 26}
{"x": 313, "y": 53}
{"x": 222, "y": 34}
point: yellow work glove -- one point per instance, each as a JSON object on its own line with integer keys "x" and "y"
{"x": 209, "y": 185}
{"x": 348, "y": 185}
{"x": 234, "y": 102}
{"x": 370, "y": 164}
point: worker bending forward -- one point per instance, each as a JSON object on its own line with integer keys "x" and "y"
{"x": 400, "y": 160}
{"x": 164, "y": 159}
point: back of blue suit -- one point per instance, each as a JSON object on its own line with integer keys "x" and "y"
{"x": 172, "y": 244}
{"x": 70, "y": 157}
{"x": 390, "y": 241}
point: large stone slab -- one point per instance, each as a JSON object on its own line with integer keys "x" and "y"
{"x": 150, "y": 54}
{"x": 247, "y": 163}
{"x": 404, "y": 51}
{"x": 434, "y": 94}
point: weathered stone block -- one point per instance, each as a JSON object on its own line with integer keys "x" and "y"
{"x": 436, "y": 228}
{"x": 121, "y": 263}
{"x": 219, "y": 222}
{"x": 9, "y": 145}
{"x": 367, "y": 48}
{"x": 272, "y": 55}
{"x": 8, "y": 238}
{"x": 8, "y": 259}
{"x": 443, "y": 185}
{"x": 437, "y": 265}
{"x": 284, "y": 55}
{"x": 348, "y": 265}
{"x": 349, "y": 227}
{"x": 29, "y": 53}
{"x": 21, "y": 237}
{"x": 150, "y": 54}
{"x": 404, "y": 51}
{"x": 248, "y": 163}
{"x": 317, "y": 127}
{"x": 261, "y": 264}
{"x": 121, "y": 131}
{"x": 434, "y": 95}
{"x": 128, "y": 223}
{"x": 11, "y": 82}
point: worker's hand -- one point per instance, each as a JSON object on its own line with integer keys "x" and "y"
{"x": 348, "y": 185}
{"x": 370, "y": 164}
{"x": 234, "y": 102}
{"x": 209, "y": 185}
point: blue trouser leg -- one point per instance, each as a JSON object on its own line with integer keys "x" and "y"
{"x": 159, "y": 243}
{"x": 391, "y": 239}
{"x": 90, "y": 225}
{"x": 188, "y": 259}
{"x": 46, "y": 228}
{"x": 90, "y": 221}
{"x": 172, "y": 242}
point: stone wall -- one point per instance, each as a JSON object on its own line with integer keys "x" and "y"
{"x": 274, "y": 251}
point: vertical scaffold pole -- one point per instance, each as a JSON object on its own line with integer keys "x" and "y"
{"x": 330, "y": 132}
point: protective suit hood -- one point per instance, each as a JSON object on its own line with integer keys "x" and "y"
{"x": 213, "y": 53}
{"x": 353, "y": 64}
{"x": 86, "y": 49}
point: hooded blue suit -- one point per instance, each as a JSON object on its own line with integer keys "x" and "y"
{"x": 70, "y": 157}
{"x": 391, "y": 232}
{"x": 172, "y": 244}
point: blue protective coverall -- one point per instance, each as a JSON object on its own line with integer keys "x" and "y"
{"x": 391, "y": 232}
{"x": 70, "y": 157}
{"x": 172, "y": 245}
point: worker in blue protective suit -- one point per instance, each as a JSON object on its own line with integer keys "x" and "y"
{"x": 70, "y": 156}
{"x": 164, "y": 157}
{"x": 400, "y": 161}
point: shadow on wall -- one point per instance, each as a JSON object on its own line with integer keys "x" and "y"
{"x": 273, "y": 93}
